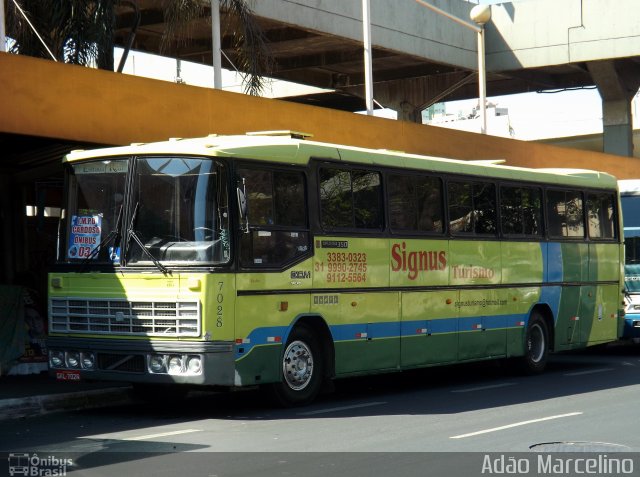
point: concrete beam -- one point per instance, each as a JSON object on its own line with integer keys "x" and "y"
{"x": 403, "y": 26}
{"x": 547, "y": 32}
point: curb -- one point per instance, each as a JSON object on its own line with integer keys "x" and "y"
{"x": 18, "y": 408}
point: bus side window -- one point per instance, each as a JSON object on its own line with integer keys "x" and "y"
{"x": 472, "y": 208}
{"x": 600, "y": 216}
{"x": 565, "y": 214}
{"x": 276, "y": 211}
{"x": 415, "y": 203}
{"x": 521, "y": 211}
{"x": 350, "y": 198}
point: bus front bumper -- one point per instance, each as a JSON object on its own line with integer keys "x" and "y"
{"x": 631, "y": 329}
{"x": 206, "y": 363}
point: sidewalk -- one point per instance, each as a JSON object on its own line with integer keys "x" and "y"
{"x": 36, "y": 394}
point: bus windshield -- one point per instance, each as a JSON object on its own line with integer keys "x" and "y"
{"x": 175, "y": 211}
{"x": 631, "y": 216}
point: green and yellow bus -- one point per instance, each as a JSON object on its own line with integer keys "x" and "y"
{"x": 268, "y": 259}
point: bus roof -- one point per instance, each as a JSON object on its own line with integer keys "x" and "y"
{"x": 629, "y": 186}
{"x": 293, "y": 148}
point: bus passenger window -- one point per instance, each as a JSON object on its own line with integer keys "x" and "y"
{"x": 521, "y": 211}
{"x": 460, "y": 207}
{"x": 565, "y": 215}
{"x": 367, "y": 209}
{"x": 472, "y": 208}
{"x": 415, "y": 203}
{"x": 600, "y": 216}
{"x": 484, "y": 202}
{"x": 350, "y": 199}
{"x": 335, "y": 198}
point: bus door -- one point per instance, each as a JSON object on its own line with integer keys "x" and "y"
{"x": 599, "y": 312}
{"x": 573, "y": 258}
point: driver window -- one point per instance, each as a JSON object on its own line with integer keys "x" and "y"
{"x": 276, "y": 211}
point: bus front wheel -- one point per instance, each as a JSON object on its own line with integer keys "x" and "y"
{"x": 536, "y": 344}
{"x": 301, "y": 370}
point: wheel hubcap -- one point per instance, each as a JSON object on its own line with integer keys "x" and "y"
{"x": 536, "y": 343}
{"x": 297, "y": 366}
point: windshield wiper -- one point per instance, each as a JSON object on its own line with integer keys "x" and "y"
{"x": 110, "y": 236}
{"x": 132, "y": 234}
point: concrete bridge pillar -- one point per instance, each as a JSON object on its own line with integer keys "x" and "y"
{"x": 617, "y": 88}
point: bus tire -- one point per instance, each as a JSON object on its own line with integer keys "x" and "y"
{"x": 301, "y": 370}
{"x": 536, "y": 345}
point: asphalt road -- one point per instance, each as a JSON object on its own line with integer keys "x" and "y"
{"x": 441, "y": 421}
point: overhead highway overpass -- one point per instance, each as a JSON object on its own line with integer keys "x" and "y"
{"x": 420, "y": 57}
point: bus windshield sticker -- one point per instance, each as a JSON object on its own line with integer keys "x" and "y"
{"x": 114, "y": 255}
{"x": 85, "y": 235}
{"x": 103, "y": 167}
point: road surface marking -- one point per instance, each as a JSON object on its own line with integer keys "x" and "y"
{"x": 342, "y": 408}
{"x": 482, "y": 388}
{"x": 591, "y": 371}
{"x": 160, "y": 434}
{"x": 516, "y": 424}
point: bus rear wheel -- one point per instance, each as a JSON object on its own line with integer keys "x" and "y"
{"x": 536, "y": 344}
{"x": 301, "y": 370}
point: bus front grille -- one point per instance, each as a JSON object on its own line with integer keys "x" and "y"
{"x": 121, "y": 362}
{"x": 123, "y": 317}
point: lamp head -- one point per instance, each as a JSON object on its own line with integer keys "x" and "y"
{"x": 481, "y": 14}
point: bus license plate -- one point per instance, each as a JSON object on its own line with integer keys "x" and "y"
{"x": 68, "y": 375}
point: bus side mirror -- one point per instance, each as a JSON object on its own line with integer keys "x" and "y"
{"x": 242, "y": 208}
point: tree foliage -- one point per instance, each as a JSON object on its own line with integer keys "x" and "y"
{"x": 75, "y": 31}
{"x": 82, "y": 32}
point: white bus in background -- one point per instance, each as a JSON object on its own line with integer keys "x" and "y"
{"x": 630, "y": 198}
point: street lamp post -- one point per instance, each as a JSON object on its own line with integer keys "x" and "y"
{"x": 3, "y": 38}
{"x": 480, "y": 14}
{"x": 368, "y": 68}
{"x": 216, "y": 44}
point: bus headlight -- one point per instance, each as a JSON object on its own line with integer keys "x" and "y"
{"x": 72, "y": 358}
{"x": 88, "y": 360}
{"x": 156, "y": 363}
{"x": 175, "y": 364}
{"x": 56, "y": 359}
{"x": 194, "y": 365}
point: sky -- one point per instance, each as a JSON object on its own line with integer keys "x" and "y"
{"x": 534, "y": 116}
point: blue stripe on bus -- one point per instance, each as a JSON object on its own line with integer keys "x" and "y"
{"x": 552, "y": 262}
{"x": 354, "y": 332}
{"x": 551, "y": 296}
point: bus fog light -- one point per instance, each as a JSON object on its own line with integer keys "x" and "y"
{"x": 194, "y": 364}
{"x": 72, "y": 358}
{"x": 156, "y": 363}
{"x": 175, "y": 364}
{"x": 56, "y": 359}
{"x": 636, "y": 324}
{"x": 88, "y": 360}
